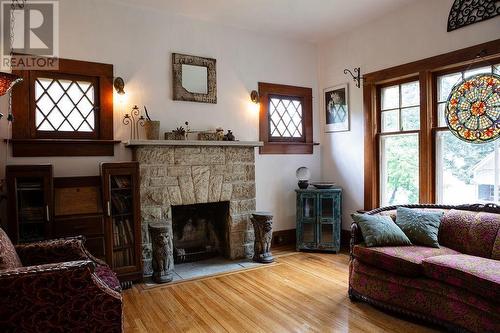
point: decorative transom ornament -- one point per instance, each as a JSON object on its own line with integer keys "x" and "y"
{"x": 473, "y": 109}
{"x": 64, "y": 105}
{"x": 285, "y": 117}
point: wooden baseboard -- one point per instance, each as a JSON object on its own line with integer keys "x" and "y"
{"x": 284, "y": 237}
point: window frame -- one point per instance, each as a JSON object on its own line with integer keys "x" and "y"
{"x": 427, "y": 71}
{"x": 273, "y": 145}
{"x": 27, "y": 141}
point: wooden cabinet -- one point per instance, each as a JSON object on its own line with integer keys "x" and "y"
{"x": 319, "y": 214}
{"x": 120, "y": 183}
{"x": 30, "y": 202}
{"x": 105, "y": 209}
{"x": 78, "y": 211}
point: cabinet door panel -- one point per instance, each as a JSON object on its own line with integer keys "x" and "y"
{"x": 326, "y": 236}
{"x": 308, "y": 233}
{"x": 308, "y": 207}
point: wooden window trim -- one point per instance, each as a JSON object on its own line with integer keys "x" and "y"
{"x": 427, "y": 71}
{"x": 25, "y": 139}
{"x": 285, "y": 146}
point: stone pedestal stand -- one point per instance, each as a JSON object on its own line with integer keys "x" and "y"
{"x": 263, "y": 229}
{"x": 163, "y": 251}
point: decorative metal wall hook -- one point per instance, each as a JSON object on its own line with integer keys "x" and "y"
{"x": 356, "y": 76}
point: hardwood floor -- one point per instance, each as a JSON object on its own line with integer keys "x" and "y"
{"x": 301, "y": 292}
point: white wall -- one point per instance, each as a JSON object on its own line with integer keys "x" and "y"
{"x": 411, "y": 33}
{"x": 139, "y": 43}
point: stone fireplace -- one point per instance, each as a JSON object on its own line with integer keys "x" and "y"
{"x": 185, "y": 173}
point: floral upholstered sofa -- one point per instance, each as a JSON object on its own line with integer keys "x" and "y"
{"x": 56, "y": 286}
{"x": 456, "y": 285}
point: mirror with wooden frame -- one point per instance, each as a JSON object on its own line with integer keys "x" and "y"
{"x": 194, "y": 78}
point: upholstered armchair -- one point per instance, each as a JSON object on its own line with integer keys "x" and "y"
{"x": 56, "y": 286}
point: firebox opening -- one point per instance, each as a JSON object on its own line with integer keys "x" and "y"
{"x": 200, "y": 231}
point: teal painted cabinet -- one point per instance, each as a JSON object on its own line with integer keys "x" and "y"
{"x": 319, "y": 219}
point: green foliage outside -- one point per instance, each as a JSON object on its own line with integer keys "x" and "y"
{"x": 401, "y": 154}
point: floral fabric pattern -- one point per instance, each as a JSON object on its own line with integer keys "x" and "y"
{"x": 52, "y": 251}
{"x": 495, "y": 253}
{"x": 404, "y": 260}
{"x": 426, "y": 297}
{"x": 478, "y": 275}
{"x": 469, "y": 232}
{"x": 60, "y": 297}
{"x": 8, "y": 255}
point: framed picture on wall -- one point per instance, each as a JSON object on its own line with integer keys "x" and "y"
{"x": 336, "y": 108}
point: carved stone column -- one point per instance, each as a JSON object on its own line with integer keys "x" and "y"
{"x": 263, "y": 229}
{"x": 163, "y": 251}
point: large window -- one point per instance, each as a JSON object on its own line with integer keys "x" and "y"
{"x": 400, "y": 124}
{"x": 410, "y": 155}
{"x": 285, "y": 121}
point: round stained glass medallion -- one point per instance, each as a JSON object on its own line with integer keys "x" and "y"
{"x": 473, "y": 109}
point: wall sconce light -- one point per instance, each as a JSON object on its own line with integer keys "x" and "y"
{"x": 119, "y": 84}
{"x": 254, "y": 96}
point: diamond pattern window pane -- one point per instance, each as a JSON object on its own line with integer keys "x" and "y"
{"x": 64, "y": 105}
{"x": 285, "y": 117}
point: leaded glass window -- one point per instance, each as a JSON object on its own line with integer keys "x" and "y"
{"x": 65, "y": 105}
{"x": 285, "y": 119}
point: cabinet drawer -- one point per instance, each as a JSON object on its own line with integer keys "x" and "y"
{"x": 74, "y": 226}
{"x": 96, "y": 247}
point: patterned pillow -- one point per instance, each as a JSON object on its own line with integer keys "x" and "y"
{"x": 8, "y": 255}
{"x": 421, "y": 227}
{"x": 379, "y": 230}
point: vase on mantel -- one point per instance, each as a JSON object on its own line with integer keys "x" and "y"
{"x": 152, "y": 129}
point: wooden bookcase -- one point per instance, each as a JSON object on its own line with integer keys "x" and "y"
{"x": 104, "y": 209}
{"x": 120, "y": 183}
{"x": 30, "y": 197}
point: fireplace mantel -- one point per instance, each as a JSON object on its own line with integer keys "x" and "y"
{"x": 192, "y": 143}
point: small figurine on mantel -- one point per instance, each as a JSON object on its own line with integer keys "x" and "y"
{"x": 229, "y": 136}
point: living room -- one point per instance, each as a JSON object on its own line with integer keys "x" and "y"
{"x": 215, "y": 166}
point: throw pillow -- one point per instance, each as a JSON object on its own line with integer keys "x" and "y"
{"x": 380, "y": 230}
{"x": 420, "y": 226}
{"x": 8, "y": 255}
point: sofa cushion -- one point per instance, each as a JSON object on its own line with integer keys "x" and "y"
{"x": 420, "y": 226}
{"x": 469, "y": 232}
{"x": 378, "y": 230}
{"x": 8, "y": 255}
{"x": 478, "y": 275}
{"x": 108, "y": 277}
{"x": 403, "y": 260}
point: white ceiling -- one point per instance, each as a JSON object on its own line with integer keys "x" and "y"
{"x": 307, "y": 20}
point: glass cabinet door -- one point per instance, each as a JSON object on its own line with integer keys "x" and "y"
{"x": 308, "y": 206}
{"x": 308, "y": 215}
{"x": 328, "y": 220}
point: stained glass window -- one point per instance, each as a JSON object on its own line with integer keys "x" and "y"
{"x": 285, "y": 118}
{"x": 473, "y": 109}
{"x": 64, "y": 105}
